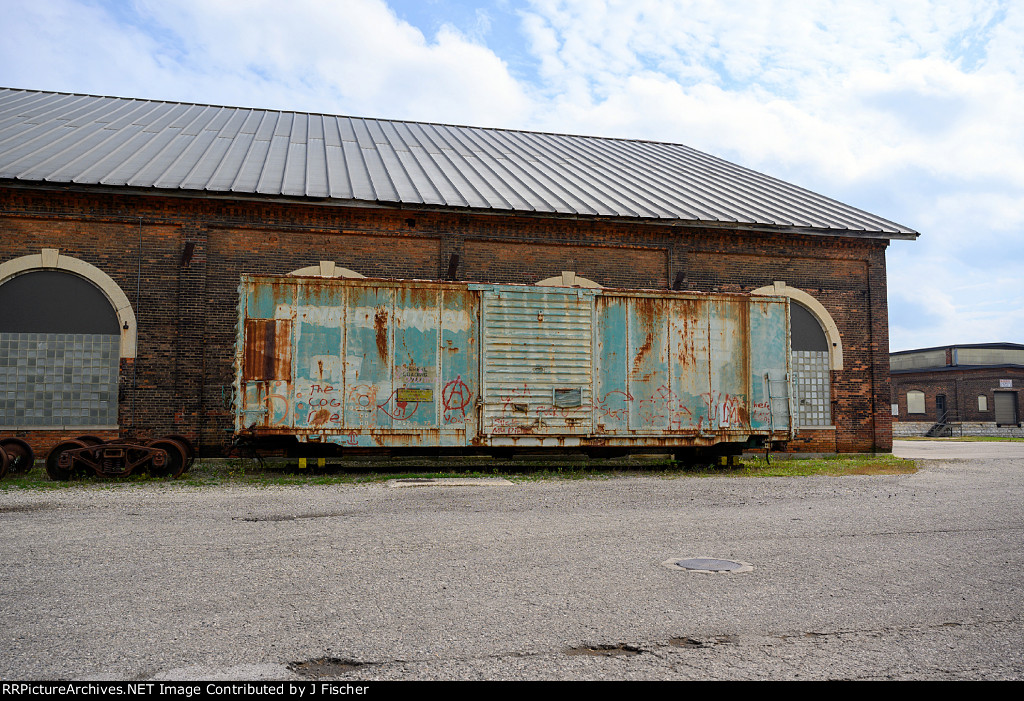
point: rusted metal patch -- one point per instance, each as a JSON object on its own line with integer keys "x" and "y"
{"x": 268, "y": 352}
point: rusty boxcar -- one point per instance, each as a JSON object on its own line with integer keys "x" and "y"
{"x": 422, "y": 365}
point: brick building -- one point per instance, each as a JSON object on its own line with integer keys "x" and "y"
{"x": 969, "y": 390}
{"x": 126, "y": 224}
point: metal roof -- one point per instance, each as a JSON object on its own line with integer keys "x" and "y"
{"x": 168, "y": 146}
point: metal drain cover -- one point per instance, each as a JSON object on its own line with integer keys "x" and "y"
{"x": 708, "y": 565}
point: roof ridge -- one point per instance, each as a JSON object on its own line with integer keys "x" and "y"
{"x": 349, "y": 116}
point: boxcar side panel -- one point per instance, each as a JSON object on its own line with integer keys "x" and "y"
{"x": 728, "y": 396}
{"x": 691, "y": 356}
{"x": 769, "y": 364}
{"x": 378, "y": 363}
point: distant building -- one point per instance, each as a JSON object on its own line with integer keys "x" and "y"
{"x": 958, "y": 390}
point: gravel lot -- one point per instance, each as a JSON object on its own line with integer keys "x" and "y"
{"x": 886, "y": 577}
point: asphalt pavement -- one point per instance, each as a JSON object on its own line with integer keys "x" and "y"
{"x": 862, "y": 577}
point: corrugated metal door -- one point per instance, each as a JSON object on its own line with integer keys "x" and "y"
{"x": 537, "y": 361}
{"x": 1006, "y": 408}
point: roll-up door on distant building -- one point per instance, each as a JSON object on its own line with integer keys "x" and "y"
{"x": 1006, "y": 408}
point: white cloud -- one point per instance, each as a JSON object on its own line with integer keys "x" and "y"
{"x": 355, "y": 57}
{"x": 907, "y": 108}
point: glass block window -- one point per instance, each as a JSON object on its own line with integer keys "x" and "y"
{"x": 51, "y": 380}
{"x": 60, "y": 347}
{"x": 811, "y": 376}
{"x": 811, "y": 387}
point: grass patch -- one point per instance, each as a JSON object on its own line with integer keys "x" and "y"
{"x": 212, "y": 473}
{"x": 832, "y": 466}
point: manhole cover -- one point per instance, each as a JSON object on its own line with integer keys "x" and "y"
{"x": 708, "y": 565}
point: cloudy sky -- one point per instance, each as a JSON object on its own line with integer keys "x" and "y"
{"x": 910, "y": 109}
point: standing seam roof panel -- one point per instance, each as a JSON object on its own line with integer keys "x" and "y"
{"x": 688, "y": 192}
{"x": 427, "y": 188}
{"x": 600, "y": 188}
{"x": 231, "y": 164}
{"x": 558, "y": 184}
{"x": 188, "y": 160}
{"x": 376, "y": 171}
{"x": 586, "y": 189}
{"x": 206, "y": 165}
{"x": 401, "y": 181}
{"x": 496, "y": 174}
{"x": 247, "y": 178}
{"x": 358, "y": 172}
{"x": 271, "y": 180}
{"x": 472, "y": 194}
{"x": 192, "y": 142}
{"x": 59, "y": 152}
{"x": 316, "y": 159}
{"x": 338, "y": 175}
{"x": 615, "y": 189}
{"x": 726, "y": 196}
{"x": 148, "y": 146}
{"x": 511, "y": 163}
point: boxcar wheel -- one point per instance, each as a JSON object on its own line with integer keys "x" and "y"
{"x": 177, "y": 458}
{"x": 19, "y": 454}
{"x": 190, "y": 451}
{"x": 54, "y": 469}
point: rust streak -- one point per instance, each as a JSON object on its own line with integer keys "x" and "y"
{"x": 380, "y": 325}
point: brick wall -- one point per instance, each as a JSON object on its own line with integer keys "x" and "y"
{"x": 179, "y": 260}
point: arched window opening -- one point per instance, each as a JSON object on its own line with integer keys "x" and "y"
{"x": 326, "y": 268}
{"x": 568, "y": 278}
{"x": 60, "y": 350}
{"x": 811, "y": 383}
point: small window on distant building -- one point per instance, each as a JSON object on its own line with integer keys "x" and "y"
{"x": 915, "y": 402}
{"x": 982, "y": 402}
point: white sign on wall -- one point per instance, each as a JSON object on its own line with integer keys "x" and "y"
{"x": 1006, "y": 383}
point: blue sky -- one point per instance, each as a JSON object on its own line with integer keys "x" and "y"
{"x": 910, "y": 109}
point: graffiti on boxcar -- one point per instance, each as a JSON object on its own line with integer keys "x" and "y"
{"x": 516, "y": 401}
{"x": 363, "y": 401}
{"x": 455, "y": 397}
{"x": 725, "y": 409}
{"x": 763, "y": 412}
{"x": 620, "y": 401}
{"x": 511, "y": 427}
{"x": 322, "y": 405}
{"x": 397, "y": 407}
{"x": 279, "y": 405}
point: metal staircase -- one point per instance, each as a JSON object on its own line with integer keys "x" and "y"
{"x": 946, "y": 426}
